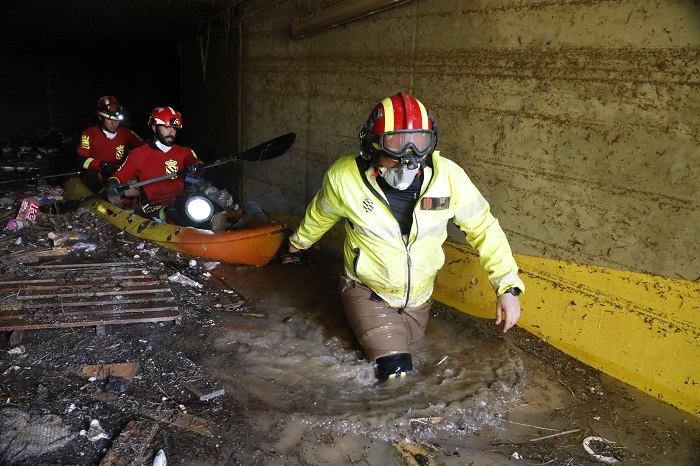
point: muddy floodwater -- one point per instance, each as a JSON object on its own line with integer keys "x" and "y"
{"x": 476, "y": 396}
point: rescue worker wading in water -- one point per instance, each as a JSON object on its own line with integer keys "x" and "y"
{"x": 162, "y": 200}
{"x": 104, "y": 147}
{"x": 397, "y": 196}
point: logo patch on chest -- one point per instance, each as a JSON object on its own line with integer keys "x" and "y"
{"x": 435, "y": 203}
{"x": 171, "y": 167}
{"x": 120, "y": 152}
{"x": 367, "y": 204}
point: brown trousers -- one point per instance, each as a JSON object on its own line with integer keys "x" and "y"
{"x": 381, "y": 330}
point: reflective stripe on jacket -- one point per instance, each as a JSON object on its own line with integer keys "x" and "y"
{"x": 403, "y": 274}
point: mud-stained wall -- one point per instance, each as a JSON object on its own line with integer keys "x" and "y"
{"x": 579, "y": 120}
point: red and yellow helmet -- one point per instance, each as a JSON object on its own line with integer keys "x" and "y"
{"x": 167, "y": 116}
{"x": 400, "y": 128}
{"x": 108, "y": 107}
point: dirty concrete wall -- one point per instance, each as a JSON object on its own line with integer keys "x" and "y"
{"x": 578, "y": 119}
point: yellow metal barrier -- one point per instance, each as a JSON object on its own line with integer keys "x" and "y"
{"x": 641, "y": 329}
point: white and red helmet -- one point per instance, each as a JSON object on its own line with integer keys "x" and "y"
{"x": 400, "y": 128}
{"x": 167, "y": 116}
{"x": 108, "y": 107}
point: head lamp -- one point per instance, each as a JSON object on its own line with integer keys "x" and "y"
{"x": 199, "y": 208}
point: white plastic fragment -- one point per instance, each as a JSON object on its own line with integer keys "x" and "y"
{"x": 516, "y": 456}
{"x": 193, "y": 263}
{"x": 210, "y": 265}
{"x": 177, "y": 277}
{"x": 85, "y": 246}
{"x": 11, "y": 369}
{"x": 160, "y": 459}
{"x": 95, "y": 432}
{"x": 17, "y": 350}
{"x": 596, "y": 456}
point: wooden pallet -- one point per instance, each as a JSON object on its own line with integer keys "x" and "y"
{"x": 85, "y": 294}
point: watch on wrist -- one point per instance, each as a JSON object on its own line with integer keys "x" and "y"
{"x": 513, "y": 290}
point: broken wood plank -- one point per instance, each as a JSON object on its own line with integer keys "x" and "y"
{"x": 92, "y": 294}
{"x": 204, "y": 389}
{"x": 58, "y": 313}
{"x": 72, "y": 304}
{"x": 414, "y": 453}
{"x": 77, "y": 313}
{"x": 184, "y": 421}
{"x": 118, "y": 319}
{"x": 125, "y": 370}
{"x": 34, "y": 256}
{"x": 254, "y": 314}
{"x": 132, "y": 445}
{"x": 86, "y": 294}
{"x": 90, "y": 265}
{"x": 23, "y": 283}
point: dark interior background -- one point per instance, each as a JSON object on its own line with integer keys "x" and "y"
{"x": 58, "y": 58}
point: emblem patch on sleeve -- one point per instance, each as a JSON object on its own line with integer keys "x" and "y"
{"x": 435, "y": 203}
{"x": 85, "y": 141}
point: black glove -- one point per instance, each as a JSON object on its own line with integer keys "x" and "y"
{"x": 113, "y": 187}
{"x": 195, "y": 168}
{"x": 108, "y": 168}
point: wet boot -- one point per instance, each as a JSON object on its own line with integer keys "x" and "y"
{"x": 393, "y": 366}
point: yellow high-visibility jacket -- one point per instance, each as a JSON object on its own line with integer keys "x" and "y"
{"x": 402, "y": 272}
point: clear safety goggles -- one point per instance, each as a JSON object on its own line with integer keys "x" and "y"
{"x": 406, "y": 145}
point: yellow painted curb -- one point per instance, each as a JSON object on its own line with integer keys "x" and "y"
{"x": 639, "y": 328}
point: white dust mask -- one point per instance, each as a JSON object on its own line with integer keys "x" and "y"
{"x": 399, "y": 177}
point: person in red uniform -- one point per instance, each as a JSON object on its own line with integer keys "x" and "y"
{"x": 160, "y": 200}
{"x": 103, "y": 147}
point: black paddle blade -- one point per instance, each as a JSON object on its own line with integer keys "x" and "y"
{"x": 269, "y": 150}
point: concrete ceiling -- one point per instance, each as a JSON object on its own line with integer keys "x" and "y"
{"x": 53, "y": 25}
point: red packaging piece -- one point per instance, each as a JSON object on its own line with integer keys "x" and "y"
{"x": 29, "y": 209}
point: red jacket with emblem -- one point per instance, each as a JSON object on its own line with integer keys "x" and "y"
{"x": 95, "y": 147}
{"x": 148, "y": 162}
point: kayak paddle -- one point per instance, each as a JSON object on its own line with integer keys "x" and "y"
{"x": 266, "y": 151}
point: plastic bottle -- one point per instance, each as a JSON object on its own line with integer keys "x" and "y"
{"x": 16, "y": 224}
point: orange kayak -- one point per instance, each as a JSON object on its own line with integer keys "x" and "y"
{"x": 255, "y": 243}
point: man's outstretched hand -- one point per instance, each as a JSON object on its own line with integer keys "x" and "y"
{"x": 507, "y": 310}
{"x": 195, "y": 169}
{"x": 114, "y": 195}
